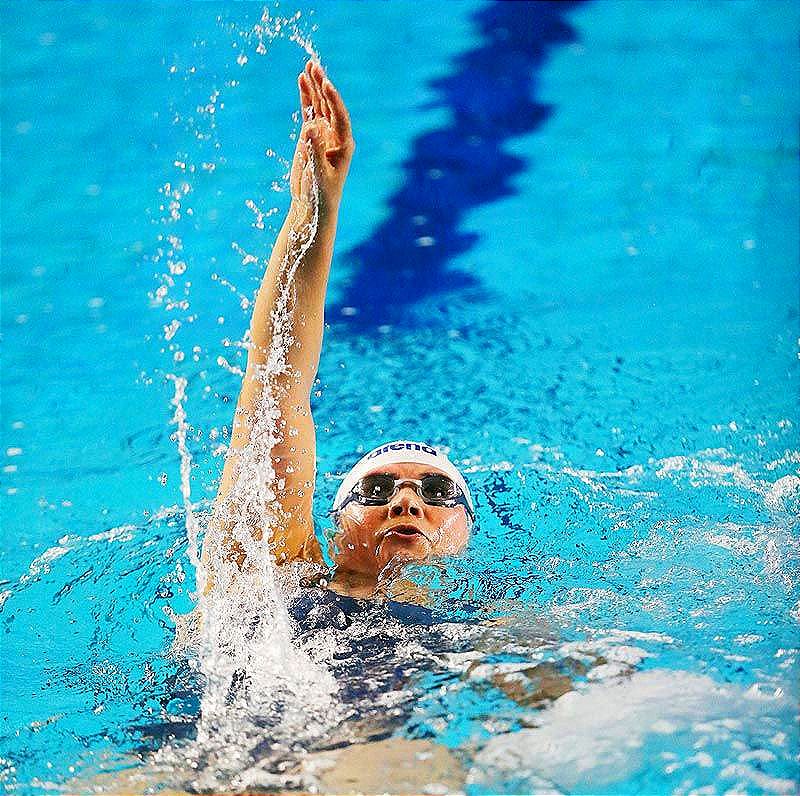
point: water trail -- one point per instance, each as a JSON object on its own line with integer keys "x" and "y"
{"x": 254, "y": 673}
{"x": 192, "y": 523}
{"x": 262, "y": 693}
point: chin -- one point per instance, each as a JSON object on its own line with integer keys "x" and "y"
{"x": 417, "y": 549}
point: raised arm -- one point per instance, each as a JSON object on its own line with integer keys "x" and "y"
{"x": 321, "y": 161}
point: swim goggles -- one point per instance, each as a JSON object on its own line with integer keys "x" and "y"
{"x": 435, "y": 489}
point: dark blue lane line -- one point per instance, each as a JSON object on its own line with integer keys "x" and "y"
{"x": 491, "y": 95}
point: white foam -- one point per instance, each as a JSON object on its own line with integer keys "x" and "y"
{"x": 779, "y": 494}
{"x": 598, "y": 735}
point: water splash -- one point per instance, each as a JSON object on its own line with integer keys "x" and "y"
{"x": 192, "y": 524}
{"x": 262, "y": 692}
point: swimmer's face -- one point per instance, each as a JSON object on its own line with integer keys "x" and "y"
{"x": 405, "y": 529}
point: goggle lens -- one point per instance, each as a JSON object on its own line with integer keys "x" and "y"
{"x": 381, "y": 487}
{"x": 438, "y": 487}
{"x": 376, "y": 487}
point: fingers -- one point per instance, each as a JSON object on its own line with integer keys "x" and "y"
{"x": 316, "y": 101}
{"x": 340, "y": 118}
{"x": 306, "y": 102}
{"x": 326, "y": 137}
{"x": 318, "y": 94}
{"x": 319, "y": 77}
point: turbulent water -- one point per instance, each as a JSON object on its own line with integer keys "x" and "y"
{"x": 625, "y": 618}
{"x": 526, "y": 657}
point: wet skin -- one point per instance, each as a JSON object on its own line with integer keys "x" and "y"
{"x": 406, "y": 529}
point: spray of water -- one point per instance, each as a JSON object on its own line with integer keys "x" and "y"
{"x": 263, "y": 695}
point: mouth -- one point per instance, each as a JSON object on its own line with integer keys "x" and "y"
{"x": 403, "y": 532}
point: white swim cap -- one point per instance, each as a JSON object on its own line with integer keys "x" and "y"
{"x": 395, "y": 453}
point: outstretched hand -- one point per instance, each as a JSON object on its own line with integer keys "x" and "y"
{"x": 325, "y": 146}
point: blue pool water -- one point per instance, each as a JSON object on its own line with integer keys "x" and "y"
{"x": 568, "y": 253}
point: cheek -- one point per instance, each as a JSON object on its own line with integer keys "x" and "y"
{"x": 358, "y": 521}
{"x": 355, "y": 515}
{"x": 454, "y": 533}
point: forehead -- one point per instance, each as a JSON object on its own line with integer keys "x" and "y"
{"x": 406, "y": 469}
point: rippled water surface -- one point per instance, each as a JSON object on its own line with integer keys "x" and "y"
{"x": 567, "y": 254}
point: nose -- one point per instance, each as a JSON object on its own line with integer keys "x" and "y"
{"x": 406, "y": 501}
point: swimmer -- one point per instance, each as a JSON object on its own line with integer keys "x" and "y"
{"x": 403, "y": 501}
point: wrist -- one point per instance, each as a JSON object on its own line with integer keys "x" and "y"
{"x": 301, "y": 213}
